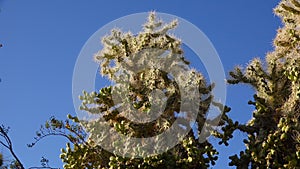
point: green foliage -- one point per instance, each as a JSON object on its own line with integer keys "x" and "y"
{"x": 273, "y": 132}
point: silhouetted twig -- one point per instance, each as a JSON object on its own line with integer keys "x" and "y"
{"x": 8, "y": 144}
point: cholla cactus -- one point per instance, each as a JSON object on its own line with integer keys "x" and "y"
{"x": 120, "y": 61}
{"x": 274, "y": 140}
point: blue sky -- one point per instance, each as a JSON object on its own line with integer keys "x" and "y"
{"x": 42, "y": 39}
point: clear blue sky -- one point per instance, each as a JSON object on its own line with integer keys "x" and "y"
{"x": 42, "y": 39}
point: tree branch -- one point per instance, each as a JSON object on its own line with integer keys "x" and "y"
{"x": 9, "y": 146}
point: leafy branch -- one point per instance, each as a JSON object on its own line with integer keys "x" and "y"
{"x": 68, "y": 129}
